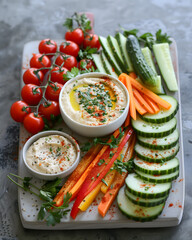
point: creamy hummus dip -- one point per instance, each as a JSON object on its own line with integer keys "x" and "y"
{"x": 51, "y": 154}
{"x": 94, "y": 101}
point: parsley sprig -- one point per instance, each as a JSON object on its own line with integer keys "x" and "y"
{"x": 121, "y": 167}
{"x": 48, "y": 211}
{"x": 76, "y": 71}
{"x": 148, "y": 39}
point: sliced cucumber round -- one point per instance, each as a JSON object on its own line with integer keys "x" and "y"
{"x": 160, "y": 143}
{"x": 146, "y": 129}
{"x": 163, "y": 115}
{"x": 158, "y": 156}
{"x": 145, "y": 189}
{"x": 158, "y": 178}
{"x": 145, "y": 202}
{"x": 137, "y": 212}
{"x": 168, "y": 167}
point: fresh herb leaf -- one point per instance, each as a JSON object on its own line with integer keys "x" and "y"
{"x": 86, "y": 147}
{"x": 47, "y": 196}
{"x": 162, "y": 38}
{"x": 103, "y": 180}
{"x": 71, "y": 74}
{"x": 68, "y": 24}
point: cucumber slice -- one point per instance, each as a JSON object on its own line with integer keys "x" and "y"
{"x": 145, "y": 189}
{"x": 122, "y": 45}
{"x": 160, "y": 143}
{"x": 145, "y": 202}
{"x": 97, "y": 60}
{"x": 157, "y": 156}
{"x": 116, "y": 52}
{"x": 146, "y": 129}
{"x": 107, "y": 66}
{"x": 163, "y": 57}
{"x": 163, "y": 115}
{"x": 148, "y": 58}
{"x": 168, "y": 167}
{"x": 109, "y": 55}
{"x": 158, "y": 89}
{"x": 137, "y": 212}
{"x": 158, "y": 178}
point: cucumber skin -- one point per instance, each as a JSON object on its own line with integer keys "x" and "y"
{"x": 148, "y": 195}
{"x": 155, "y": 172}
{"x": 161, "y": 160}
{"x": 160, "y": 120}
{"x": 146, "y": 204}
{"x": 122, "y": 66}
{"x": 158, "y": 180}
{"x": 158, "y": 147}
{"x": 155, "y": 135}
{"x": 104, "y": 64}
{"x": 147, "y": 75}
{"x": 109, "y": 59}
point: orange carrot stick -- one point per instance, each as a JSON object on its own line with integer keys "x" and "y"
{"x": 139, "y": 107}
{"x": 127, "y": 121}
{"x": 142, "y": 101}
{"x": 150, "y": 94}
{"x": 133, "y": 75}
{"x": 152, "y": 104}
{"x": 124, "y": 77}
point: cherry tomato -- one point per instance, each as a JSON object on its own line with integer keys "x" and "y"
{"x": 86, "y": 64}
{"x": 33, "y": 123}
{"x": 33, "y": 76}
{"x": 70, "y": 48}
{"x": 76, "y": 36}
{"x": 57, "y": 74}
{"x": 91, "y": 40}
{"x": 52, "y": 91}
{"x": 69, "y": 61}
{"x": 31, "y": 94}
{"x": 48, "y": 109}
{"x": 48, "y": 46}
{"x": 19, "y": 110}
{"x": 40, "y": 61}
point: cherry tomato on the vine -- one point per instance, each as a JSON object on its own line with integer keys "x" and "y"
{"x": 91, "y": 40}
{"x": 70, "y": 48}
{"x": 48, "y": 46}
{"x": 19, "y": 110}
{"x": 53, "y": 90}
{"x": 57, "y": 74}
{"x": 31, "y": 94}
{"x": 40, "y": 61}
{"x": 49, "y": 108}
{"x": 86, "y": 64}
{"x": 76, "y": 36}
{"x": 67, "y": 61}
{"x": 33, "y": 123}
{"x": 33, "y": 76}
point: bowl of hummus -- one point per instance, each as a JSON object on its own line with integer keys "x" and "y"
{"x": 94, "y": 104}
{"x": 51, "y": 154}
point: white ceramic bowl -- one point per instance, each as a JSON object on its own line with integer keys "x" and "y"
{"x": 93, "y": 131}
{"x": 51, "y": 176}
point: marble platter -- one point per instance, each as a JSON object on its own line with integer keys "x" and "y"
{"x": 29, "y": 205}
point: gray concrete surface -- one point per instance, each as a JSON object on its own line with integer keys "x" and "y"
{"x": 25, "y": 20}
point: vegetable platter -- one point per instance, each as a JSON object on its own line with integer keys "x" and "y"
{"x": 29, "y": 204}
{"x": 151, "y": 164}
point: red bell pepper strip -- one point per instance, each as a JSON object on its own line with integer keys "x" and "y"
{"x": 98, "y": 173}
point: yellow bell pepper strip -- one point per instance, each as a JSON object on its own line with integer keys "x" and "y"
{"x": 96, "y": 175}
{"x": 118, "y": 182}
{"x": 90, "y": 198}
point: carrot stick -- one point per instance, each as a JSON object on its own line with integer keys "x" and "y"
{"x": 119, "y": 180}
{"x": 133, "y": 75}
{"x": 124, "y": 77}
{"x": 139, "y": 108}
{"x": 152, "y": 104}
{"x": 81, "y": 180}
{"x": 150, "y": 94}
{"x": 71, "y": 181}
{"x": 142, "y": 101}
{"x": 127, "y": 121}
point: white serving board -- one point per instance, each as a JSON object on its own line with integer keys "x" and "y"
{"x": 29, "y": 204}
